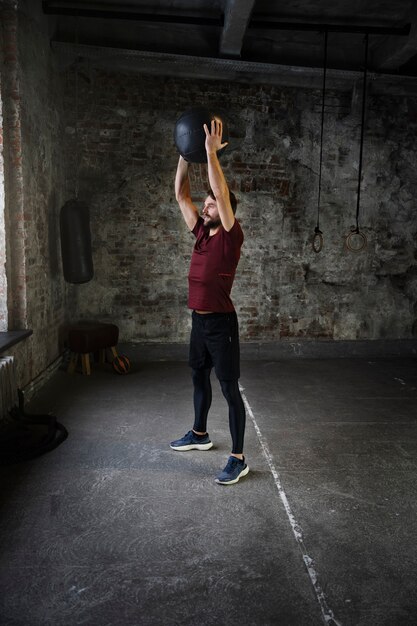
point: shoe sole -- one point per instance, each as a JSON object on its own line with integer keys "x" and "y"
{"x": 235, "y": 480}
{"x": 193, "y": 446}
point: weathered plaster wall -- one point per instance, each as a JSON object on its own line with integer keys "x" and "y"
{"x": 125, "y": 151}
{"x": 34, "y": 188}
{"x": 44, "y": 175}
{"x": 3, "y": 277}
{"x": 283, "y": 288}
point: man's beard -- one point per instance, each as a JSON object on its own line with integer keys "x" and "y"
{"x": 209, "y": 223}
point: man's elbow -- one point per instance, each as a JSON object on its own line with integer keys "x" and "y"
{"x": 221, "y": 191}
{"x": 181, "y": 197}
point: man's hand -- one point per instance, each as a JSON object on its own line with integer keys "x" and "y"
{"x": 214, "y": 137}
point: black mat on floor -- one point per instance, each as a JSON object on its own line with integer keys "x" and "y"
{"x": 24, "y": 437}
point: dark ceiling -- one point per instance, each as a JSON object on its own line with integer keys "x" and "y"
{"x": 246, "y": 40}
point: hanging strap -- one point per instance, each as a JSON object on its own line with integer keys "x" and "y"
{"x": 77, "y": 158}
{"x": 317, "y": 229}
{"x": 362, "y": 133}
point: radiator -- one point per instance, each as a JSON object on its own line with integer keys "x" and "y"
{"x": 8, "y": 388}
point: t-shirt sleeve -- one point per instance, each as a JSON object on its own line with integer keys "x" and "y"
{"x": 199, "y": 226}
{"x": 236, "y": 234}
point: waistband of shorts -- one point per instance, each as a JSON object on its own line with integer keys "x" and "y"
{"x": 213, "y": 315}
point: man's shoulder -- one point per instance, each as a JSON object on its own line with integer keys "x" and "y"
{"x": 235, "y": 232}
{"x": 237, "y": 224}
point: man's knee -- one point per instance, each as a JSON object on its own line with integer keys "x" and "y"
{"x": 230, "y": 389}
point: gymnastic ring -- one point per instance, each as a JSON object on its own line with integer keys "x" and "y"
{"x": 317, "y": 242}
{"x": 363, "y": 238}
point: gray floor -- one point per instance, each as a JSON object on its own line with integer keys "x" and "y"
{"x": 114, "y": 528}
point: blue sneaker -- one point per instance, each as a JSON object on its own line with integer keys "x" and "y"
{"x": 191, "y": 441}
{"x": 234, "y": 470}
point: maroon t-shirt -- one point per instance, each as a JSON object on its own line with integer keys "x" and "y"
{"x": 213, "y": 267}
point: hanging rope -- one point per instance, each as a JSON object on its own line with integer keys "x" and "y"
{"x": 77, "y": 165}
{"x": 355, "y": 231}
{"x": 318, "y": 235}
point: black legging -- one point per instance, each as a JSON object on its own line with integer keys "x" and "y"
{"x": 202, "y": 403}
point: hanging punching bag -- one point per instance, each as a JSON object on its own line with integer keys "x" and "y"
{"x": 77, "y": 259}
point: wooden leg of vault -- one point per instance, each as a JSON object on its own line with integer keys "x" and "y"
{"x": 114, "y": 351}
{"x": 85, "y": 360}
{"x": 73, "y": 363}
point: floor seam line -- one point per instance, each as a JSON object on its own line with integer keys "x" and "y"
{"x": 327, "y": 613}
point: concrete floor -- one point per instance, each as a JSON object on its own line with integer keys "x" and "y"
{"x": 115, "y": 528}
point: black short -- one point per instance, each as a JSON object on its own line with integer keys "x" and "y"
{"x": 215, "y": 342}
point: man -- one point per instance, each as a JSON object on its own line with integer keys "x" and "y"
{"x": 214, "y": 338}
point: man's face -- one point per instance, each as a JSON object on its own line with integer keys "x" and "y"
{"x": 210, "y": 213}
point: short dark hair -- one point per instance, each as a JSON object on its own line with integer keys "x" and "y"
{"x": 232, "y": 198}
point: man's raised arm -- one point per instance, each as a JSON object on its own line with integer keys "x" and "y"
{"x": 217, "y": 180}
{"x": 183, "y": 194}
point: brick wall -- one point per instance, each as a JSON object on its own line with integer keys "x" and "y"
{"x": 3, "y": 278}
{"x": 283, "y": 288}
{"x": 34, "y": 188}
{"x": 44, "y": 191}
{"x": 13, "y": 182}
{"x": 125, "y": 151}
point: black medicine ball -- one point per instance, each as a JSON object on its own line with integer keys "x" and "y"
{"x": 189, "y": 135}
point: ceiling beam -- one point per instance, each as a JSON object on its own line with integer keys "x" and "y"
{"x": 269, "y": 23}
{"x": 231, "y": 70}
{"x": 236, "y": 20}
{"x": 52, "y": 8}
{"x": 391, "y": 53}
